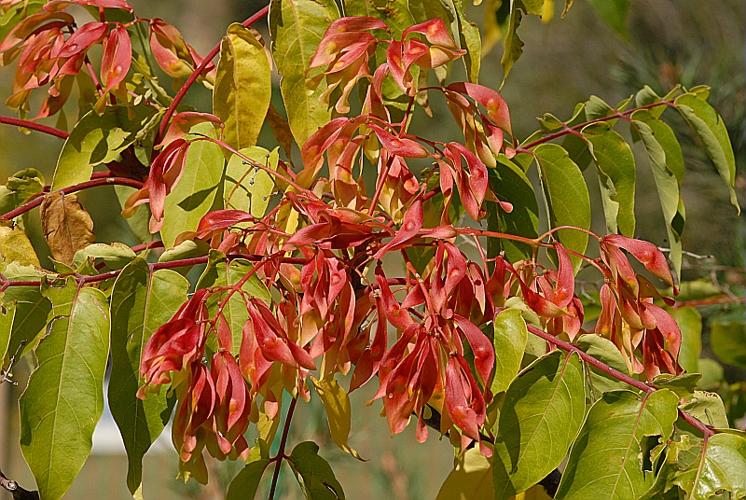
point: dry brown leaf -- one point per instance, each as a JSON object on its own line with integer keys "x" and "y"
{"x": 67, "y": 226}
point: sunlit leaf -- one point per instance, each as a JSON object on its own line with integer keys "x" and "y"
{"x": 64, "y": 398}
{"x": 710, "y": 128}
{"x": 297, "y": 27}
{"x": 199, "y": 189}
{"x": 543, "y": 411}
{"x": 667, "y": 165}
{"x": 708, "y": 407}
{"x": 470, "y": 478}
{"x": 16, "y": 247}
{"x": 243, "y": 86}
{"x": 336, "y": 402}
{"x": 222, "y": 273}
{"x": 99, "y": 139}
{"x": 246, "y": 187}
{"x": 609, "y": 457}
{"x": 566, "y": 195}
{"x": 616, "y": 172}
{"x": 510, "y": 337}
{"x": 720, "y": 468}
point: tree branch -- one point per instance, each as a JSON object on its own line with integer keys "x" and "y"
{"x": 34, "y": 126}
{"x": 603, "y": 367}
{"x": 99, "y": 181}
{"x": 198, "y": 71}
{"x": 281, "y": 452}
{"x": 18, "y": 493}
{"x": 526, "y": 148}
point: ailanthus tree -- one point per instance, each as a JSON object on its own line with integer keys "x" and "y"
{"x": 357, "y": 252}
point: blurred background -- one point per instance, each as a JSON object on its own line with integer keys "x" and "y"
{"x": 564, "y": 62}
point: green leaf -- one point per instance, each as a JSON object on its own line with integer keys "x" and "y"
{"x": 64, "y": 398}
{"x": 667, "y": 165}
{"x": 222, "y": 273}
{"x": 707, "y": 407}
{"x": 138, "y": 221}
{"x": 728, "y": 341}
{"x": 721, "y": 467}
{"x": 32, "y": 307}
{"x": 616, "y": 174}
{"x": 199, "y": 189}
{"x": 690, "y": 323}
{"x": 512, "y": 43}
{"x": 614, "y": 13}
{"x": 603, "y": 350}
{"x": 248, "y": 188}
{"x": 99, "y": 139}
{"x": 610, "y": 458}
{"x": 246, "y": 482}
{"x": 510, "y": 183}
{"x": 314, "y": 473}
{"x": 184, "y": 250}
{"x": 20, "y": 187}
{"x": 683, "y": 385}
{"x": 296, "y": 27}
{"x": 471, "y": 41}
{"x": 243, "y": 86}
{"x": 510, "y": 338}
{"x": 712, "y": 373}
{"x": 470, "y": 478}
{"x": 7, "y": 315}
{"x": 336, "y": 403}
{"x": 395, "y": 13}
{"x": 710, "y": 128}
{"x": 542, "y": 413}
{"x": 114, "y": 256}
{"x": 141, "y": 301}
{"x": 566, "y": 194}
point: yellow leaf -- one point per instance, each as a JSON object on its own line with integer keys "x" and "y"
{"x": 16, "y": 247}
{"x": 470, "y": 479}
{"x": 337, "y": 405}
{"x": 67, "y": 226}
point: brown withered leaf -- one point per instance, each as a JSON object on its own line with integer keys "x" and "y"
{"x": 67, "y": 226}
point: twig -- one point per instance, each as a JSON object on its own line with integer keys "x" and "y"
{"x": 100, "y": 181}
{"x": 15, "y": 489}
{"x": 603, "y": 367}
{"x": 525, "y": 148}
{"x": 8, "y": 120}
{"x": 198, "y": 71}
{"x": 711, "y": 301}
{"x": 281, "y": 452}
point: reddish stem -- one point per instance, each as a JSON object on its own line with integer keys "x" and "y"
{"x": 525, "y": 148}
{"x": 622, "y": 377}
{"x": 5, "y": 283}
{"x": 101, "y": 181}
{"x": 8, "y": 120}
{"x": 198, "y": 71}
{"x": 711, "y": 301}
